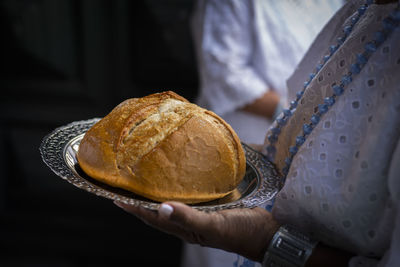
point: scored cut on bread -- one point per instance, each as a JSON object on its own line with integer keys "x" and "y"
{"x": 163, "y": 147}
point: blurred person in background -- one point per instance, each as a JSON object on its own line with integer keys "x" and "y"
{"x": 245, "y": 52}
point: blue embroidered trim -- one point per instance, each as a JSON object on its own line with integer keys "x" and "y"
{"x": 389, "y": 24}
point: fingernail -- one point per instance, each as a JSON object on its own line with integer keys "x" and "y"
{"x": 165, "y": 210}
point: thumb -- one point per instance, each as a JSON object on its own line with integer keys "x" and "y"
{"x": 197, "y": 227}
{"x": 188, "y": 218}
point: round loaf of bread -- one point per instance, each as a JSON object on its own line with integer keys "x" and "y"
{"x": 164, "y": 148}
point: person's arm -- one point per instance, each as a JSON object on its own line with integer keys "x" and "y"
{"x": 247, "y": 232}
{"x": 243, "y": 231}
{"x": 225, "y": 50}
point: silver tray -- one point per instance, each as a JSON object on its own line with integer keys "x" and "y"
{"x": 58, "y": 149}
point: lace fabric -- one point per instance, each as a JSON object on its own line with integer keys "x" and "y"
{"x": 341, "y": 186}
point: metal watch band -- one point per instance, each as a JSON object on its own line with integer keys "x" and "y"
{"x": 288, "y": 248}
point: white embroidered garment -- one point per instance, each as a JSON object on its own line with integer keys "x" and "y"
{"x": 245, "y": 48}
{"x": 343, "y": 185}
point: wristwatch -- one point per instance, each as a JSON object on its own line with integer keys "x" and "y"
{"x": 288, "y": 248}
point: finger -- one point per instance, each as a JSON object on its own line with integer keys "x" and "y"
{"x": 159, "y": 220}
{"x": 177, "y": 219}
{"x": 140, "y": 212}
{"x": 175, "y": 212}
{"x": 189, "y": 218}
{"x": 195, "y": 226}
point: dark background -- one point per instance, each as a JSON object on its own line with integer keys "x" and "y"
{"x": 69, "y": 60}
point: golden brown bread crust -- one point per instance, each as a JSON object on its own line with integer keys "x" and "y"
{"x": 164, "y": 148}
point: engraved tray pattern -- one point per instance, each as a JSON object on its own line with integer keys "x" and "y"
{"x": 58, "y": 149}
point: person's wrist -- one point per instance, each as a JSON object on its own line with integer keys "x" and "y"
{"x": 265, "y": 105}
{"x": 270, "y": 229}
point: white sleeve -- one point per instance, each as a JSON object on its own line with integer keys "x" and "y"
{"x": 228, "y": 79}
{"x": 391, "y": 257}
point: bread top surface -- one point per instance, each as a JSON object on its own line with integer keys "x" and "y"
{"x": 164, "y": 148}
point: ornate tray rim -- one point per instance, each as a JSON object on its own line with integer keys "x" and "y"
{"x": 53, "y": 152}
